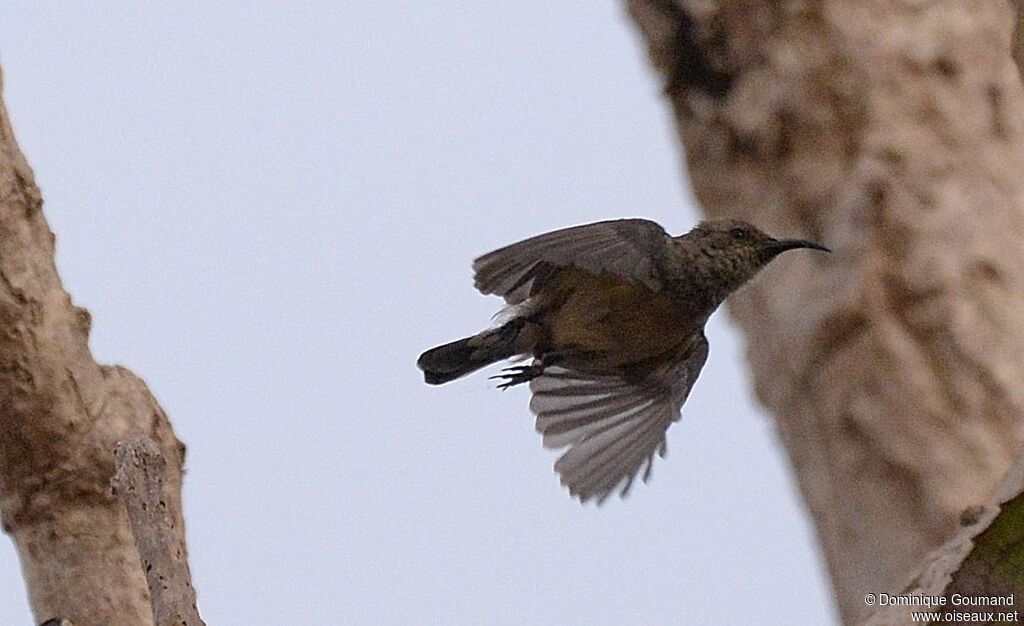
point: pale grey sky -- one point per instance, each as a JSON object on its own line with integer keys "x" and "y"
{"x": 271, "y": 210}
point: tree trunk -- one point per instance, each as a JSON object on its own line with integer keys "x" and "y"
{"x": 61, "y": 418}
{"x": 980, "y": 560}
{"x": 891, "y": 131}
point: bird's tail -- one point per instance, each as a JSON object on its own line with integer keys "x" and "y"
{"x": 458, "y": 358}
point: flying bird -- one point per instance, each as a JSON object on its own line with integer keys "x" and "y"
{"x": 612, "y": 314}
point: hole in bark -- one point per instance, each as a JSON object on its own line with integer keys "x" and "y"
{"x": 947, "y": 67}
{"x": 743, "y": 146}
{"x": 892, "y": 156}
{"x": 970, "y": 515}
{"x": 876, "y": 195}
{"x": 784, "y": 138}
{"x": 983, "y": 270}
{"x": 995, "y": 102}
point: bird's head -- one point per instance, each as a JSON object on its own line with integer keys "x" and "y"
{"x": 733, "y": 251}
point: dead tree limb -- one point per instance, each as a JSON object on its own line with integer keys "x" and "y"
{"x": 61, "y": 417}
{"x": 139, "y": 481}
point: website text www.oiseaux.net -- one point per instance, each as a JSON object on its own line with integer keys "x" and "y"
{"x": 954, "y": 609}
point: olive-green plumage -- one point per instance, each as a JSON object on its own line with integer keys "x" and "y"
{"x": 613, "y": 315}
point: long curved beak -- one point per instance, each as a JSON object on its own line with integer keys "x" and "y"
{"x": 781, "y": 245}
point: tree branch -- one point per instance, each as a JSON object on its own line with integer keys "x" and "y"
{"x": 61, "y": 416}
{"x": 139, "y": 481}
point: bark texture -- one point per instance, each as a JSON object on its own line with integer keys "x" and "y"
{"x": 1017, "y": 42}
{"x": 61, "y": 417}
{"x": 889, "y": 130}
{"x": 984, "y": 558}
{"x": 139, "y": 481}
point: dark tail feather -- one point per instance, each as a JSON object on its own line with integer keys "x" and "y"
{"x": 458, "y": 358}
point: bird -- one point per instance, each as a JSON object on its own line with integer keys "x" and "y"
{"x": 611, "y": 317}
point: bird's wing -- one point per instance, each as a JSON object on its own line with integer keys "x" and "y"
{"x": 613, "y": 426}
{"x": 628, "y": 248}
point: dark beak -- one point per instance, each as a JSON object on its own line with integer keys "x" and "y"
{"x": 781, "y": 245}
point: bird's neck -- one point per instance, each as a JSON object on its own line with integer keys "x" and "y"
{"x": 702, "y": 278}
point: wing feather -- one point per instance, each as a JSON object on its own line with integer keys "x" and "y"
{"x": 613, "y": 426}
{"x": 628, "y": 248}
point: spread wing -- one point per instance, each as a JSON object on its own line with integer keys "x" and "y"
{"x": 627, "y": 248}
{"x": 613, "y": 426}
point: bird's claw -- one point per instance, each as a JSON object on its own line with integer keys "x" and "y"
{"x": 518, "y": 374}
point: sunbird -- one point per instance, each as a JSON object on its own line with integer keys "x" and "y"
{"x": 612, "y": 314}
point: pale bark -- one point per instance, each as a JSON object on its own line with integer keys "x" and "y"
{"x": 61, "y": 417}
{"x": 1017, "y": 42}
{"x": 980, "y": 560}
{"x": 891, "y": 131}
{"x": 139, "y": 481}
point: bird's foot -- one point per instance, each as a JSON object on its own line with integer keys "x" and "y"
{"x": 519, "y": 374}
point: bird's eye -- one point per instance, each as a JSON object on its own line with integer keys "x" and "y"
{"x": 738, "y": 233}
